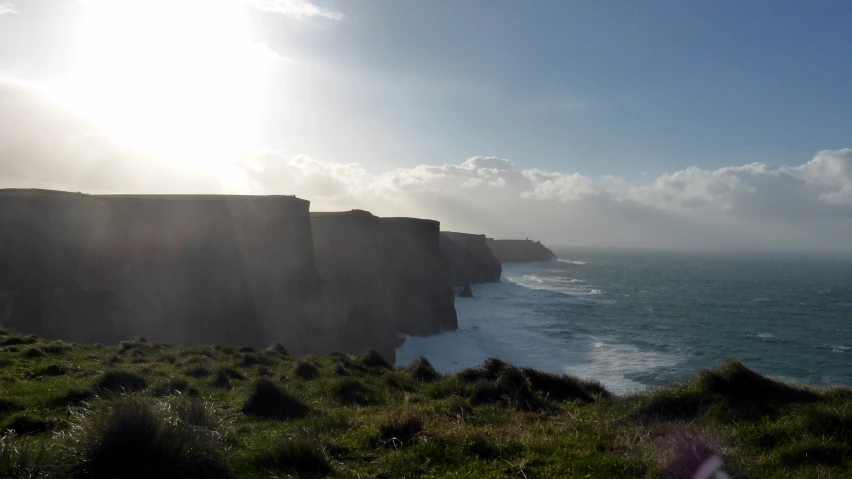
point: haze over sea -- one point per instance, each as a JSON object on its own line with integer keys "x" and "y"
{"x": 635, "y": 319}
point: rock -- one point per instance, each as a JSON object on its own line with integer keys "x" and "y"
{"x": 466, "y": 292}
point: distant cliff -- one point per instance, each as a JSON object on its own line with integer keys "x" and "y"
{"x": 218, "y": 269}
{"x": 520, "y": 251}
{"x": 471, "y": 260}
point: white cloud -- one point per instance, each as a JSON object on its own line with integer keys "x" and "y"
{"x": 7, "y": 8}
{"x": 299, "y": 9}
{"x": 753, "y": 205}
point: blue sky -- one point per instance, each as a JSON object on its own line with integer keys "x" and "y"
{"x": 682, "y": 124}
{"x": 598, "y": 87}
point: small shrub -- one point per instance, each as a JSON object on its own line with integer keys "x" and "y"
{"x": 350, "y": 391}
{"x": 299, "y": 457}
{"x": 136, "y": 439}
{"x": 372, "y": 359}
{"x": 32, "y": 353}
{"x": 306, "y": 370}
{"x": 26, "y": 425}
{"x": 270, "y": 401}
{"x": 422, "y": 370}
{"x": 399, "y": 430}
{"x": 121, "y": 381}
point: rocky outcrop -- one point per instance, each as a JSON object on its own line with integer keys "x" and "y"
{"x": 356, "y": 305}
{"x": 177, "y": 269}
{"x": 471, "y": 260}
{"x": 520, "y": 251}
{"x": 422, "y": 295}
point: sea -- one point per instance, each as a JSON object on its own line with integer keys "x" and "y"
{"x": 639, "y": 319}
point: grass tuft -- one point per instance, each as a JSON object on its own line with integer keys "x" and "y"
{"x": 372, "y": 359}
{"x": 422, "y": 370}
{"x": 280, "y": 349}
{"x": 351, "y": 391}
{"x": 7, "y": 406}
{"x": 221, "y": 380}
{"x": 27, "y": 425}
{"x": 121, "y": 381}
{"x": 400, "y": 429}
{"x": 306, "y": 370}
{"x": 557, "y": 387}
{"x": 133, "y": 438}
{"x": 737, "y": 383}
{"x": 270, "y": 401}
{"x": 198, "y": 372}
{"x": 298, "y": 457}
{"x": 32, "y": 353}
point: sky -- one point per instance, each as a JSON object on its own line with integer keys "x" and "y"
{"x": 657, "y": 124}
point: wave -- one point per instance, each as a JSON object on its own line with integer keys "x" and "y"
{"x": 558, "y": 284}
{"x": 571, "y": 261}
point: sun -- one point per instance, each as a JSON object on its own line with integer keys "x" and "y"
{"x": 182, "y": 77}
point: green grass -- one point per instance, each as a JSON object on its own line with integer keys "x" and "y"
{"x": 149, "y": 410}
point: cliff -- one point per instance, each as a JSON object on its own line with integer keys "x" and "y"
{"x": 178, "y": 269}
{"x": 356, "y": 306}
{"x": 520, "y": 251}
{"x": 422, "y": 295}
{"x": 218, "y": 269}
{"x": 471, "y": 260}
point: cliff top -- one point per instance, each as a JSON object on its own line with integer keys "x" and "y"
{"x": 238, "y": 413}
{"x": 196, "y": 197}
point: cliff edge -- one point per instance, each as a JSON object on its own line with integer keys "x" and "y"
{"x": 520, "y": 251}
{"x": 471, "y": 260}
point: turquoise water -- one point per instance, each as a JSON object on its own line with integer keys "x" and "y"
{"x": 635, "y": 319}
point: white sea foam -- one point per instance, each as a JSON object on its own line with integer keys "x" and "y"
{"x": 571, "y": 261}
{"x": 499, "y": 321}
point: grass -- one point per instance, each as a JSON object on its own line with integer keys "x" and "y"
{"x": 76, "y": 412}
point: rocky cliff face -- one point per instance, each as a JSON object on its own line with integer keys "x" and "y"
{"x": 188, "y": 270}
{"x": 218, "y": 269}
{"x": 471, "y": 260}
{"x": 422, "y": 300}
{"x": 356, "y": 306}
{"x": 520, "y": 251}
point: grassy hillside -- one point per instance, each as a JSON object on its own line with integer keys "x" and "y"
{"x": 148, "y": 410}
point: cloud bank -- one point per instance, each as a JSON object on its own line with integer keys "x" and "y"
{"x": 751, "y": 206}
{"x": 300, "y": 9}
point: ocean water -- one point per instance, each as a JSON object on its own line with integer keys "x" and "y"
{"x": 639, "y": 319}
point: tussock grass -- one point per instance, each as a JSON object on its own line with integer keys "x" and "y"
{"x": 270, "y": 401}
{"x": 280, "y": 349}
{"x": 422, "y": 370}
{"x": 362, "y": 418}
{"x": 306, "y": 370}
{"x": 372, "y": 359}
{"x": 135, "y": 438}
{"x": 297, "y": 457}
{"x": 121, "y": 381}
